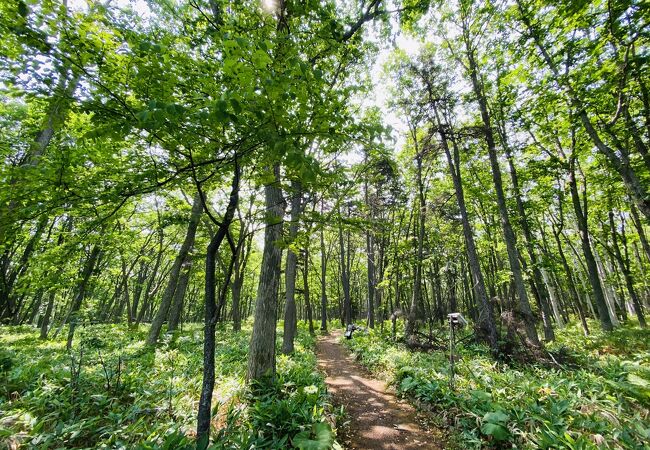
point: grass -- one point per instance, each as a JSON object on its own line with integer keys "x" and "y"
{"x": 112, "y": 392}
{"x": 600, "y": 400}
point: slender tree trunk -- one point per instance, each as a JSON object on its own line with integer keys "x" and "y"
{"x": 45, "y": 319}
{"x": 370, "y": 261}
{"x": 209, "y": 345}
{"x": 610, "y": 294}
{"x": 624, "y": 264}
{"x": 305, "y": 287}
{"x": 416, "y": 299}
{"x": 8, "y": 304}
{"x": 323, "y": 281}
{"x": 485, "y": 324}
{"x": 345, "y": 280}
{"x": 290, "y": 320}
{"x": 244, "y": 246}
{"x": 524, "y": 309}
{"x": 176, "y": 308}
{"x": 139, "y": 285}
{"x": 148, "y": 292}
{"x": 570, "y": 282}
{"x": 45, "y": 323}
{"x": 537, "y": 281}
{"x": 181, "y": 258}
{"x": 592, "y": 268}
{"x": 87, "y": 271}
{"x": 640, "y": 232}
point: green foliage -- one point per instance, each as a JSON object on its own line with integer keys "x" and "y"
{"x": 602, "y": 397}
{"x": 126, "y": 396}
{"x": 320, "y": 437}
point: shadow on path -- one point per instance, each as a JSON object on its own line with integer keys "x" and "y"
{"x": 378, "y": 420}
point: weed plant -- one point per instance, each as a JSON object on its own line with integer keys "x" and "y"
{"x": 112, "y": 392}
{"x": 596, "y": 396}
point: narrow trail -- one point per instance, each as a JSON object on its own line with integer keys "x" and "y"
{"x": 378, "y": 419}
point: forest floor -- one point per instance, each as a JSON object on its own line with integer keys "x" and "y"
{"x": 378, "y": 420}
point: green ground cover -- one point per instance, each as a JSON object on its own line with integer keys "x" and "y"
{"x": 597, "y": 396}
{"x": 112, "y": 392}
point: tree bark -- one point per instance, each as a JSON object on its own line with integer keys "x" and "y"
{"x": 209, "y": 345}
{"x": 323, "y": 281}
{"x": 238, "y": 281}
{"x": 370, "y": 260}
{"x": 87, "y": 271}
{"x": 416, "y": 299}
{"x": 624, "y": 264}
{"x": 176, "y": 308}
{"x": 290, "y": 319}
{"x": 592, "y": 268}
{"x": 537, "y": 281}
{"x": 305, "y": 289}
{"x": 524, "y": 309}
{"x": 261, "y": 354}
{"x": 181, "y": 258}
{"x": 485, "y": 324}
{"x": 345, "y": 277}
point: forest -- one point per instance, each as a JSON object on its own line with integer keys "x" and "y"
{"x": 324, "y": 224}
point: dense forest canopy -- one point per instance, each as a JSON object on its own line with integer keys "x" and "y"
{"x": 233, "y": 170}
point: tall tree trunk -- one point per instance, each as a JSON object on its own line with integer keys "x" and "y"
{"x": 323, "y": 281}
{"x": 537, "y": 281}
{"x": 261, "y": 354}
{"x": 139, "y": 286}
{"x": 416, "y": 299}
{"x": 370, "y": 260}
{"x": 45, "y": 319}
{"x": 592, "y": 268}
{"x": 305, "y": 288}
{"x": 624, "y": 264}
{"x": 176, "y": 308}
{"x": 244, "y": 246}
{"x": 149, "y": 291}
{"x": 485, "y": 324}
{"x": 181, "y": 258}
{"x": 524, "y": 309}
{"x": 8, "y": 304}
{"x": 89, "y": 267}
{"x": 345, "y": 277}
{"x": 569, "y": 273}
{"x": 290, "y": 320}
{"x": 209, "y": 345}
{"x": 639, "y": 229}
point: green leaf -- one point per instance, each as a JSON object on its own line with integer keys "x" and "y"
{"x": 261, "y": 59}
{"x": 498, "y": 432}
{"x": 498, "y": 417}
{"x": 320, "y": 438}
{"x": 236, "y": 106}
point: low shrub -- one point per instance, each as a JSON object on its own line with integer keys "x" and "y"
{"x": 600, "y": 402}
{"x": 111, "y": 391}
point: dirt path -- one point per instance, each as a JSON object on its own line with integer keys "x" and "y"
{"x": 378, "y": 419}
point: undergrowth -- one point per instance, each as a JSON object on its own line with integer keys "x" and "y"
{"x": 111, "y": 391}
{"x": 601, "y": 401}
